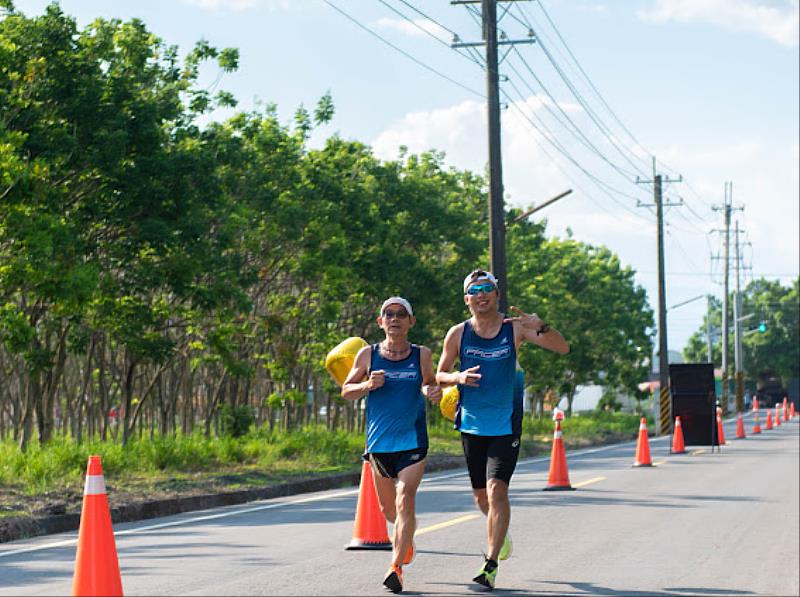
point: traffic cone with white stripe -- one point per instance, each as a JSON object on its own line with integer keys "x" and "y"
{"x": 756, "y": 425}
{"x": 643, "y": 446}
{"x": 768, "y": 424}
{"x": 792, "y": 412}
{"x": 678, "y": 447}
{"x": 96, "y": 565}
{"x": 777, "y": 415}
{"x": 785, "y": 410}
{"x": 720, "y": 429}
{"x": 369, "y": 530}
{"x": 559, "y": 475}
{"x": 740, "y": 434}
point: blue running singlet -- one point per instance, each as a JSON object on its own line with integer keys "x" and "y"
{"x": 493, "y": 408}
{"x": 396, "y": 410}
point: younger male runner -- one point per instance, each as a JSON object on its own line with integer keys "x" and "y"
{"x": 488, "y": 416}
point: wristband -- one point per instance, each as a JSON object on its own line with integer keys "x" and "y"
{"x": 543, "y": 330}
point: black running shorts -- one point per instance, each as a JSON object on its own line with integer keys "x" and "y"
{"x": 389, "y": 464}
{"x": 490, "y": 457}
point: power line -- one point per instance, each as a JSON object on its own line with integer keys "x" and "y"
{"x": 426, "y": 32}
{"x": 403, "y": 52}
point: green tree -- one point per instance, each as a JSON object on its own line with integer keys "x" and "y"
{"x": 586, "y": 293}
{"x": 773, "y": 352}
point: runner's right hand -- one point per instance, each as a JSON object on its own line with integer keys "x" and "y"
{"x": 470, "y": 377}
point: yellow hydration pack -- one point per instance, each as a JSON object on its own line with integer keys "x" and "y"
{"x": 340, "y": 360}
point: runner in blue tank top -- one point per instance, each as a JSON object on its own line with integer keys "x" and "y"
{"x": 487, "y": 414}
{"x": 395, "y": 375}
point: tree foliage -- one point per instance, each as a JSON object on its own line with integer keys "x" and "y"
{"x": 159, "y": 275}
{"x": 774, "y": 352}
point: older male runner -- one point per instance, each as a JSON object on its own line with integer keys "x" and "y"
{"x": 394, "y": 375}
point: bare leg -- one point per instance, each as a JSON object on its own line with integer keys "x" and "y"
{"x": 498, "y": 517}
{"x": 406, "y": 523}
{"x": 387, "y": 497}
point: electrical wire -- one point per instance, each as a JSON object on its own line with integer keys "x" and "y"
{"x": 403, "y": 52}
{"x": 428, "y": 33}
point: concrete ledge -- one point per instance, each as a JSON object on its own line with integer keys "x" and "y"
{"x": 22, "y": 527}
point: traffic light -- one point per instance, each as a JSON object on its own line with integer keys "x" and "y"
{"x": 762, "y": 327}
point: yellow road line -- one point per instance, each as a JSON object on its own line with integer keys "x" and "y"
{"x": 657, "y": 462}
{"x": 589, "y": 481}
{"x": 696, "y": 452}
{"x": 447, "y": 523}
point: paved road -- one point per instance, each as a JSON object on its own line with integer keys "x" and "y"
{"x": 696, "y": 524}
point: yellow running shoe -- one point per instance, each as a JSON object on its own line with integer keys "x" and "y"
{"x": 507, "y": 549}
{"x": 487, "y": 575}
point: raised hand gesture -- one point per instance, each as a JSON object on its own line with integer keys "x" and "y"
{"x": 530, "y": 322}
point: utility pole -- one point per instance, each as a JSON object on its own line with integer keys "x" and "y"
{"x": 664, "y": 418}
{"x": 727, "y": 208}
{"x": 497, "y": 225}
{"x": 709, "y": 342}
{"x": 739, "y": 317}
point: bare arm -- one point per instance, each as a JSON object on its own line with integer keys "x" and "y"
{"x": 530, "y": 328}
{"x": 358, "y": 384}
{"x": 469, "y": 377}
{"x": 430, "y": 389}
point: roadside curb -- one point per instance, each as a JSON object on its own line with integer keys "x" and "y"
{"x": 24, "y": 527}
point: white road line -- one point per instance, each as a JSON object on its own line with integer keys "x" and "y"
{"x": 272, "y": 506}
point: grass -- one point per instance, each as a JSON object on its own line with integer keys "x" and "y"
{"x": 195, "y": 464}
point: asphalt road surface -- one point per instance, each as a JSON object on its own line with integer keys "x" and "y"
{"x": 701, "y": 523}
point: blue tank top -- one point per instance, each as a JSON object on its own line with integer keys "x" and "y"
{"x": 396, "y": 410}
{"x": 493, "y": 408}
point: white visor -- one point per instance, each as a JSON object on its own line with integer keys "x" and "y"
{"x": 397, "y": 300}
{"x": 477, "y": 276}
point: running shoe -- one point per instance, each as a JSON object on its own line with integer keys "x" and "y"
{"x": 410, "y": 554}
{"x": 394, "y": 579}
{"x": 507, "y": 549}
{"x": 487, "y": 574}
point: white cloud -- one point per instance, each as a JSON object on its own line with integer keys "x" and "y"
{"x": 240, "y": 5}
{"x": 765, "y": 179}
{"x": 774, "y": 19}
{"x": 416, "y": 29}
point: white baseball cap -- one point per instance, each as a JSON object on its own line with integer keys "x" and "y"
{"x": 476, "y": 275}
{"x": 397, "y": 300}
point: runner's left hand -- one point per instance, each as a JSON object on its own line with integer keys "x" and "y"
{"x": 531, "y": 322}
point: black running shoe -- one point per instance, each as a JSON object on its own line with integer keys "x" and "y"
{"x": 394, "y": 579}
{"x": 487, "y": 574}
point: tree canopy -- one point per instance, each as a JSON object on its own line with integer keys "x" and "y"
{"x": 154, "y": 271}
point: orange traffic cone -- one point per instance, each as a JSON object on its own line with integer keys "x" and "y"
{"x": 756, "y": 426}
{"x": 96, "y": 565}
{"x": 678, "y": 446}
{"x": 768, "y": 424}
{"x": 785, "y": 410}
{"x": 559, "y": 475}
{"x": 777, "y": 415}
{"x": 643, "y": 446}
{"x": 740, "y": 434}
{"x": 369, "y": 530}
{"x": 792, "y": 412}
{"x": 720, "y": 430}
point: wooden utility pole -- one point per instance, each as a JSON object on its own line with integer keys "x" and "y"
{"x": 664, "y": 409}
{"x": 497, "y": 224}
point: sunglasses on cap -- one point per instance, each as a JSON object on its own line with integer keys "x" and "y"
{"x": 485, "y": 288}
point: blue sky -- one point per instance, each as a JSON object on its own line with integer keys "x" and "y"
{"x": 710, "y": 87}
